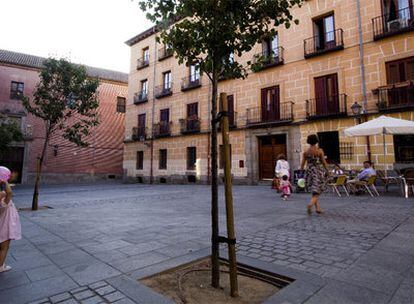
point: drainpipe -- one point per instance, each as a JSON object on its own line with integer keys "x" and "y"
{"x": 363, "y": 80}
{"x": 153, "y": 110}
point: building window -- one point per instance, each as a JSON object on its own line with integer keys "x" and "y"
{"x": 324, "y": 30}
{"x": 397, "y": 9}
{"x": 221, "y": 161}
{"x": 400, "y": 70}
{"x": 191, "y": 158}
{"x": 162, "y": 165}
{"x": 144, "y": 87}
{"x": 167, "y": 80}
{"x": 16, "y": 90}
{"x": 270, "y": 46}
{"x": 404, "y": 148}
{"x": 326, "y": 96}
{"x": 120, "y": 104}
{"x": 329, "y": 143}
{"x": 145, "y": 55}
{"x": 140, "y": 160}
{"x": 194, "y": 73}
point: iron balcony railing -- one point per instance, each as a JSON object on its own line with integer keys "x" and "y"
{"x": 163, "y": 90}
{"x": 190, "y": 125}
{"x": 326, "y": 42}
{"x": 162, "y": 129}
{"x": 279, "y": 114}
{"x": 330, "y": 106}
{"x": 164, "y": 53}
{"x": 267, "y": 59}
{"x": 142, "y": 63}
{"x": 191, "y": 82}
{"x": 140, "y": 97}
{"x": 139, "y": 133}
{"x": 395, "y": 23}
{"x": 396, "y": 97}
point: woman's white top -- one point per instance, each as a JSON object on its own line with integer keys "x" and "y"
{"x": 282, "y": 168}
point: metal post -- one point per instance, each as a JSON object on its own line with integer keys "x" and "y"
{"x": 231, "y": 237}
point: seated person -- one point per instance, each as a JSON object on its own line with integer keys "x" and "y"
{"x": 336, "y": 171}
{"x": 363, "y": 175}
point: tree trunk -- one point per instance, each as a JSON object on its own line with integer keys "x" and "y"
{"x": 39, "y": 164}
{"x": 215, "y": 270}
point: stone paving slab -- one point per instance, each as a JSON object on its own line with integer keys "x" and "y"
{"x": 96, "y": 293}
{"x": 114, "y": 234}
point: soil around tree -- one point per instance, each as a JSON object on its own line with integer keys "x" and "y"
{"x": 191, "y": 284}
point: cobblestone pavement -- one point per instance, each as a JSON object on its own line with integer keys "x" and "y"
{"x": 326, "y": 244}
{"x": 113, "y": 233}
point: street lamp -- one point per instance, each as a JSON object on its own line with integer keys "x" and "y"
{"x": 356, "y": 109}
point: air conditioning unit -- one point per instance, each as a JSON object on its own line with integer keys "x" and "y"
{"x": 128, "y": 137}
{"x": 397, "y": 24}
{"x": 142, "y": 138}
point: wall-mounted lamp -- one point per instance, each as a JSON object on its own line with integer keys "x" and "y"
{"x": 356, "y": 109}
{"x": 55, "y": 150}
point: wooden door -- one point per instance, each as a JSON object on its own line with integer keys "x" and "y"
{"x": 164, "y": 121}
{"x": 192, "y": 116}
{"x": 270, "y": 104}
{"x": 326, "y": 95}
{"x": 141, "y": 124}
{"x": 230, "y": 109}
{"x": 270, "y": 147}
{"x": 13, "y": 159}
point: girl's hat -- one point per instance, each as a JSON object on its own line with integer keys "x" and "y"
{"x": 4, "y": 174}
{"x": 301, "y": 182}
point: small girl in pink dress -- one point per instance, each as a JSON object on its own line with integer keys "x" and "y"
{"x": 10, "y": 228}
{"x": 285, "y": 187}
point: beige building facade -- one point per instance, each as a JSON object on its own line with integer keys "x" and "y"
{"x": 340, "y": 55}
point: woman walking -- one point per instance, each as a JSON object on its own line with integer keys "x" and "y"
{"x": 10, "y": 228}
{"x": 316, "y": 169}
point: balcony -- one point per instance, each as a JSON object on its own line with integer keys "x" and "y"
{"x": 266, "y": 60}
{"x": 142, "y": 63}
{"x": 190, "y": 125}
{"x": 140, "y": 97}
{"x": 396, "y": 23}
{"x": 163, "y": 90}
{"x": 327, "y": 107}
{"x": 257, "y": 117}
{"x": 321, "y": 44}
{"x": 164, "y": 53}
{"x": 162, "y": 129}
{"x": 396, "y": 97}
{"x": 191, "y": 82}
{"x": 139, "y": 133}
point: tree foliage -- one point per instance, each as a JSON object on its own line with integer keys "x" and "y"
{"x": 9, "y": 132}
{"x": 66, "y": 100}
{"x": 209, "y": 31}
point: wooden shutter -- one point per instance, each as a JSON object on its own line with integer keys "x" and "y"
{"x": 264, "y": 104}
{"x": 230, "y": 109}
{"x": 192, "y": 110}
{"x": 320, "y": 96}
{"x": 141, "y": 120}
{"x": 165, "y": 115}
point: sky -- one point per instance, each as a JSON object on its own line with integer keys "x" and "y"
{"x": 91, "y": 32}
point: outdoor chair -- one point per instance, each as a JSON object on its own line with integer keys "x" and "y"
{"x": 369, "y": 185}
{"x": 408, "y": 182}
{"x": 340, "y": 182}
{"x": 391, "y": 177}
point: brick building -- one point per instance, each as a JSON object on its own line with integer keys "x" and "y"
{"x": 342, "y": 53}
{"x": 64, "y": 162}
